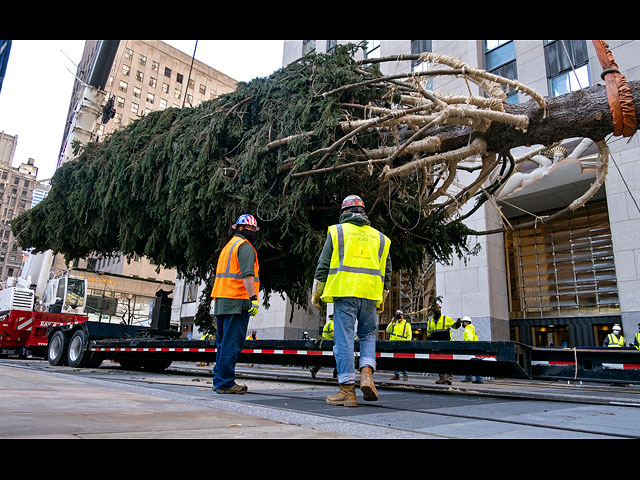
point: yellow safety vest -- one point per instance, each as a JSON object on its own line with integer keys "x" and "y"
{"x": 615, "y": 341}
{"x": 443, "y": 323}
{"x": 229, "y": 283}
{"x": 637, "y": 343}
{"x": 399, "y": 331}
{"x": 358, "y": 263}
{"x": 469, "y": 334}
{"x": 327, "y": 331}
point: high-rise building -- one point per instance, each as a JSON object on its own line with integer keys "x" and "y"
{"x": 16, "y": 192}
{"x": 146, "y": 75}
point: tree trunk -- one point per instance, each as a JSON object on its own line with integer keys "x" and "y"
{"x": 584, "y": 113}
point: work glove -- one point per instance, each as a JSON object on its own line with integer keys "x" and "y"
{"x": 255, "y": 306}
{"x": 380, "y": 309}
{"x": 316, "y": 293}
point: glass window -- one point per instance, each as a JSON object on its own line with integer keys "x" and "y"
{"x": 420, "y": 46}
{"x": 373, "y": 49}
{"x": 564, "y": 268}
{"x": 500, "y": 59}
{"x": 566, "y": 62}
{"x": 308, "y": 46}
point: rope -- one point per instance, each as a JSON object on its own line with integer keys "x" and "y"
{"x": 618, "y": 92}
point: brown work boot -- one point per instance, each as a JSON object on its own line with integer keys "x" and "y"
{"x": 345, "y": 397}
{"x": 366, "y": 384}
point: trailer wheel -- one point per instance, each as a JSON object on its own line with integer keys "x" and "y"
{"x": 57, "y": 348}
{"x": 77, "y": 352}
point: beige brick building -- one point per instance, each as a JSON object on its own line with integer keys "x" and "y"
{"x": 16, "y": 192}
{"x": 146, "y": 75}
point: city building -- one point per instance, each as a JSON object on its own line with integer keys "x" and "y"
{"x": 566, "y": 283}
{"x": 16, "y": 194}
{"x": 146, "y": 75}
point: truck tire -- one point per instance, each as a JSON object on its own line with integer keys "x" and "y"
{"x": 57, "y": 348}
{"x": 78, "y": 354}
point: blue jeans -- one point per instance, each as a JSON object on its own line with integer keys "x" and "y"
{"x": 230, "y": 336}
{"x": 345, "y": 313}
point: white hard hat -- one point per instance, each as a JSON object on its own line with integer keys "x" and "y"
{"x": 616, "y": 327}
{"x": 466, "y": 319}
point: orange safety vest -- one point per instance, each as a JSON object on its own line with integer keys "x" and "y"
{"x": 229, "y": 282}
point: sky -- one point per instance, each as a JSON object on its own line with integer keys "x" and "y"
{"x": 37, "y": 87}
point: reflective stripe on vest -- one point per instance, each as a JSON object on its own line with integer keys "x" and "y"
{"x": 229, "y": 282}
{"x": 351, "y": 274}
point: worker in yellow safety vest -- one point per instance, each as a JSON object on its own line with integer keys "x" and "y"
{"x": 327, "y": 334}
{"x": 438, "y": 328}
{"x": 636, "y": 340}
{"x": 353, "y": 273}
{"x": 614, "y": 339}
{"x": 399, "y": 330}
{"x": 469, "y": 335}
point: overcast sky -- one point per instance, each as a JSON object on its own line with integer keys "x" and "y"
{"x": 36, "y": 91}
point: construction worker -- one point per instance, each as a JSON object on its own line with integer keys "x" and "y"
{"x": 235, "y": 292}
{"x": 469, "y": 335}
{"x": 253, "y": 336}
{"x": 353, "y": 273}
{"x": 399, "y": 330}
{"x": 439, "y": 328}
{"x": 636, "y": 340}
{"x": 614, "y": 339}
{"x": 205, "y": 336}
{"x": 327, "y": 334}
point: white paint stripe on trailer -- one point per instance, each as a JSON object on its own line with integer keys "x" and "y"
{"x": 26, "y": 322}
{"x": 300, "y": 352}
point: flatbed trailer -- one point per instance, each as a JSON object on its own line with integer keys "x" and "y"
{"x": 88, "y": 344}
{"x": 23, "y": 331}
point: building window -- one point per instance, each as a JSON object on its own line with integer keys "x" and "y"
{"x": 134, "y": 107}
{"x": 167, "y": 72}
{"x": 373, "y": 49}
{"x": 190, "y": 292}
{"x": 125, "y": 70}
{"x": 128, "y": 53}
{"x": 165, "y": 87}
{"x": 417, "y": 47}
{"x": 563, "y": 269}
{"x": 155, "y": 66}
{"x": 137, "y": 92}
{"x": 179, "y": 77}
{"x": 120, "y": 102}
{"x": 123, "y": 86}
{"x": 308, "y": 46}
{"x": 139, "y": 76}
{"x": 567, "y": 65}
{"x": 163, "y": 103}
{"x": 177, "y": 93}
{"x": 152, "y": 82}
{"x": 203, "y": 89}
{"x": 500, "y": 59}
{"x": 150, "y": 98}
{"x": 331, "y": 45}
{"x": 142, "y": 60}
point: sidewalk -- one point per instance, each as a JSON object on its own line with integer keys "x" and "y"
{"x": 49, "y": 405}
